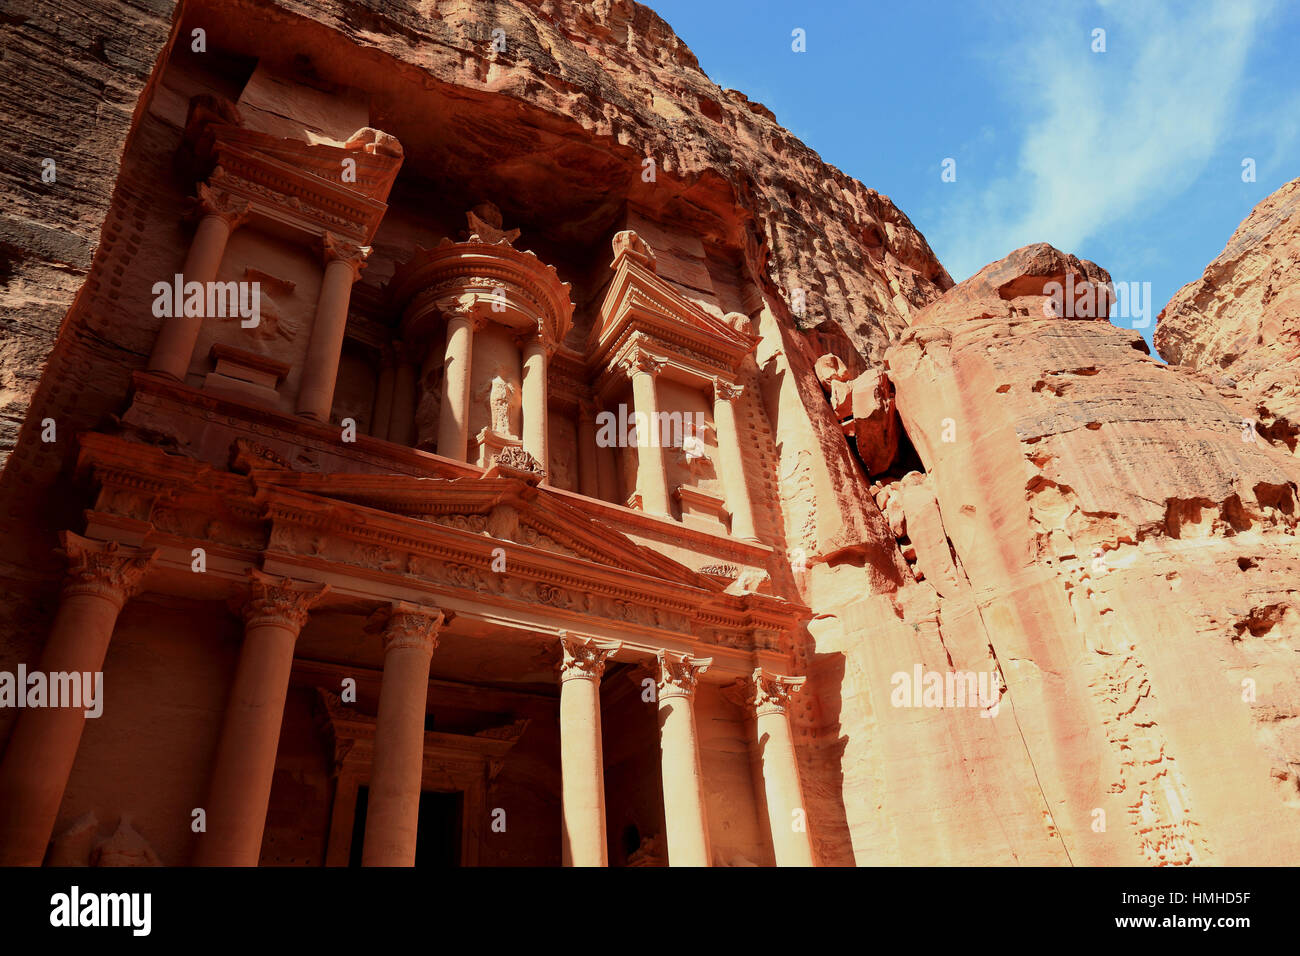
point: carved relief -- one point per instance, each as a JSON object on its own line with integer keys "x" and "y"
{"x": 583, "y": 658}
{"x": 679, "y": 673}
{"x": 105, "y": 570}
{"x": 283, "y": 602}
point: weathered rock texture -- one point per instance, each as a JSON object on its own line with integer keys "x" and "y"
{"x": 1239, "y": 324}
{"x": 1131, "y": 554}
{"x": 1052, "y": 508}
{"x": 73, "y": 79}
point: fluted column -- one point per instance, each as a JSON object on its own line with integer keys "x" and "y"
{"x": 736, "y": 487}
{"x": 535, "y": 401}
{"x": 343, "y": 264}
{"x": 652, "y": 468}
{"x": 220, "y": 214}
{"x": 453, "y": 415}
{"x": 582, "y": 767}
{"x": 383, "y": 411}
{"x": 240, "y": 789}
{"x": 393, "y": 813}
{"x": 766, "y": 697}
{"x": 401, "y": 423}
{"x": 588, "y": 460}
{"x": 43, "y": 745}
{"x": 684, "y": 813}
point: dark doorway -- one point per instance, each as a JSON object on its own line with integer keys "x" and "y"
{"x": 437, "y": 842}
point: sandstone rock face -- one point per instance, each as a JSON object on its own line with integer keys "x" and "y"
{"x": 1091, "y": 536}
{"x": 1132, "y": 555}
{"x": 72, "y": 81}
{"x": 1239, "y": 324}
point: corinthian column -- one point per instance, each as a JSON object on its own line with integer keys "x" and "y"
{"x": 684, "y": 815}
{"x": 43, "y": 745}
{"x": 652, "y": 469}
{"x": 393, "y": 813}
{"x": 535, "y": 402}
{"x": 725, "y": 395}
{"x": 453, "y": 415}
{"x": 240, "y": 789}
{"x": 343, "y": 264}
{"x": 582, "y": 768}
{"x": 766, "y": 697}
{"x": 219, "y": 215}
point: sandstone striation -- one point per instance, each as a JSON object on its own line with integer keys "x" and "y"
{"x": 890, "y": 479}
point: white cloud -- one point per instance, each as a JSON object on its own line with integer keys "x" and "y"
{"x": 1101, "y": 135}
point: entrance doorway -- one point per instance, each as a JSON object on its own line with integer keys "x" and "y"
{"x": 437, "y": 841}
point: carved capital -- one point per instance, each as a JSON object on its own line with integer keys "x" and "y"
{"x": 103, "y": 569}
{"x": 644, "y": 362}
{"x": 764, "y": 693}
{"x": 412, "y": 625}
{"x": 725, "y": 391}
{"x": 210, "y": 201}
{"x": 337, "y": 249}
{"x": 678, "y": 673}
{"x": 583, "y": 658}
{"x": 279, "y": 601}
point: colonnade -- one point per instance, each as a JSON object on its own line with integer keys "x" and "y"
{"x": 43, "y": 747}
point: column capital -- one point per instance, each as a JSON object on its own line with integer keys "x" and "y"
{"x": 764, "y": 692}
{"x": 726, "y": 391}
{"x": 583, "y": 658}
{"x": 464, "y": 308}
{"x": 281, "y": 601}
{"x": 643, "y": 362}
{"x": 412, "y": 625}
{"x": 678, "y": 673}
{"x": 103, "y": 569}
{"x": 211, "y": 201}
{"x": 337, "y": 249}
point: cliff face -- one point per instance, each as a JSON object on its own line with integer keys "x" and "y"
{"x": 1132, "y": 554}
{"x": 1239, "y": 324}
{"x": 73, "y": 78}
{"x": 1052, "y": 508}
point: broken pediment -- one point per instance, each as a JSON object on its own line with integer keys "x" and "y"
{"x": 641, "y": 305}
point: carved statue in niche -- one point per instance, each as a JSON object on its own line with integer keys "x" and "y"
{"x": 502, "y": 399}
{"x": 429, "y": 406}
{"x": 693, "y": 455}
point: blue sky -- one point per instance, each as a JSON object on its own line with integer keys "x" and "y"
{"x": 1131, "y": 157}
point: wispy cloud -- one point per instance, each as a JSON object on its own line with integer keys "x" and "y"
{"x": 1102, "y": 135}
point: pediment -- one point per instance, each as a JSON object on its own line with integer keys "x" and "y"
{"x": 638, "y": 301}
{"x": 508, "y": 510}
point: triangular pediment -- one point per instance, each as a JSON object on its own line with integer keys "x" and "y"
{"x": 508, "y": 510}
{"x": 638, "y": 300}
